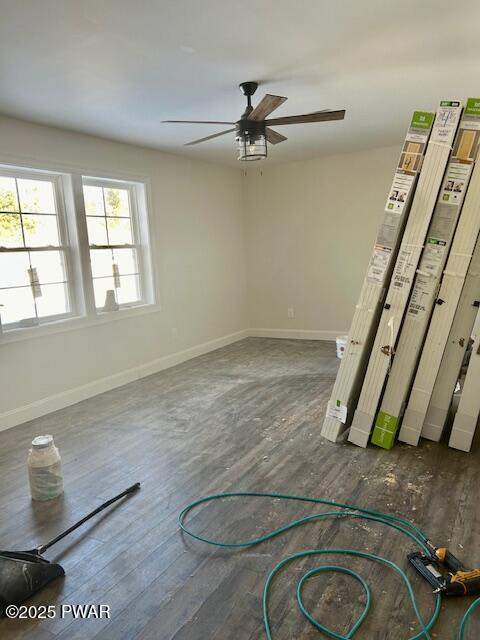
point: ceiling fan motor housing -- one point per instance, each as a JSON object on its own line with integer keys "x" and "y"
{"x": 245, "y": 128}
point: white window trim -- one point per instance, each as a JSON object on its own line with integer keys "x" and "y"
{"x": 140, "y": 234}
{"x": 73, "y": 324}
{"x": 66, "y": 228}
{"x": 71, "y": 186}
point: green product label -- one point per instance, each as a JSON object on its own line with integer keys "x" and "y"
{"x": 422, "y": 119}
{"x": 473, "y": 107}
{"x": 385, "y": 430}
{"x": 449, "y": 103}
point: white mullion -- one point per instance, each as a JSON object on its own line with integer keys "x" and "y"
{"x": 139, "y": 257}
{"x": 83, "y": 245}
{"x": 65, "y": 239}
{"x": 141, "y": 238}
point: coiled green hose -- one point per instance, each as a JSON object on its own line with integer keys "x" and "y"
{"x": 346, "y": 511}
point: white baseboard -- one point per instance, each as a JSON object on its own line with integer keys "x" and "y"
{"x": 57, "y": 401}
{"x": 295, "y": 334}
{"x": 66, "y": 398}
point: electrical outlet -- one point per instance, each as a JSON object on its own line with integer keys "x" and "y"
{"x": 290, "y": 312}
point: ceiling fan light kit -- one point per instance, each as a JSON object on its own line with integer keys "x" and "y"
{"x": 252, "y": 130}
{"x": 252, "y": 146}
{"x": 367, "y": 311}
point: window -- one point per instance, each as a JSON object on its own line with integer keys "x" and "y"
{"x": 115, "y": 246}
{"x": 71, "y": 247}
{"x": 34, "y": 282}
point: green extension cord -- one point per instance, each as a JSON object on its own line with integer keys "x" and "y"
{"x": 347, "y": 511}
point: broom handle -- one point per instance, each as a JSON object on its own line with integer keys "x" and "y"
{"x": 103, "y": 506}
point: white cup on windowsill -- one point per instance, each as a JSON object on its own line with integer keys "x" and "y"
{"x": 110, "y": 302}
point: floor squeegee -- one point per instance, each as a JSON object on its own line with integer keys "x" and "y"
{"x": 23, "y": 573}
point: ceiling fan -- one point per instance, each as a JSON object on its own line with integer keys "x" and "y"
{"x": 252, "y": 130}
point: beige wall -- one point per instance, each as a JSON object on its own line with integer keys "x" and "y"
{"x": 196, "y": 213}
{"x": 233, "y": 252}
{"x": 310, "y": 227}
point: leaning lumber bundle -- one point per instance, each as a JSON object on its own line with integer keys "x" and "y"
{"x": 423, "y": 206}
{"x": 466, "y": 418}
{"x": 455, "y": 351}
{"x": 365, "y": 320}
{"x": 440, "y": 235}
{"x": 448, "y": 299}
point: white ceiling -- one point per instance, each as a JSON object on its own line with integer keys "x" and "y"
{"x": 116, "y": 68}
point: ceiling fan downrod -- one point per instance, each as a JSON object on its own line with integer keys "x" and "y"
{"x": 248, "y": 89}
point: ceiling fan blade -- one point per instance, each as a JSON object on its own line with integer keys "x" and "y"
{"x": 198, "y": 121}
{"x": 318, "y": 116}
{"x": 265, "y": 107}
{"x": 215, "y": 135}
{"x": 274, "y": 137}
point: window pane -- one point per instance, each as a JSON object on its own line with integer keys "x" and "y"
{"x": 119, "y": 231}
{"x": 8, "y": 194}
{"x": 53, "y": 301}
{"x": 13, "y": 270}
{"x": 110, "y": 211}
{"x": 101, "y": 261}
{"x": 17, "y": 305}
{"x": 129, "y": 290}
{"x": 126, "y": 259}
{"x": 100, "y": 288}
{"x": 10, "y": 230}
{"x": 36, "y": 196}
{"x": 117, "y": 202}
{"x": 40, "y": 231}
{"x": 49, "y": 265}
{"x": 97, "y": 231}
{"x": 93, "y": 197}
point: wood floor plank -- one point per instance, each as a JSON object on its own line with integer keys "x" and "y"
{"x": 245, "y": 417}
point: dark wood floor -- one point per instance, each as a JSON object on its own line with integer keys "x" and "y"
{"x": 246, "y": 417}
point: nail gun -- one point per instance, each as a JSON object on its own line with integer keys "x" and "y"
{"x": 445, "y": 572}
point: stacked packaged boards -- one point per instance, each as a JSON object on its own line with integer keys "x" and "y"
{"x": 449, "y": 296}
{"x": 424, "y": 201}
{"x": 427, "y": 280}
{"x": 408, "y": 314}
{"x": 367, "y": 311}
{"x": 466, "y": 418}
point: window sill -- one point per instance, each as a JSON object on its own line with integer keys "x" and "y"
{"x": 77, "y": 322}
